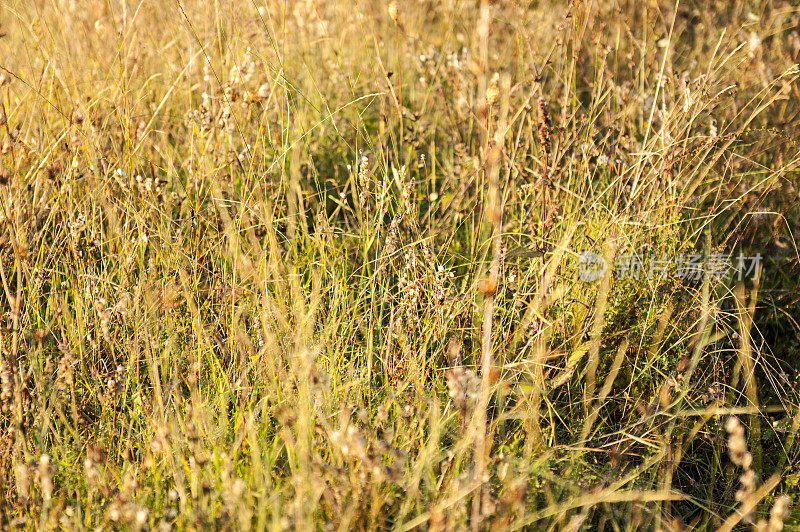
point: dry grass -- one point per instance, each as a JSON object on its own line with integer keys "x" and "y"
{"x": 315, "y": 265}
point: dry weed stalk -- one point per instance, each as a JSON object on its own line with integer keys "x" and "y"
{"x": 545, "y": 132}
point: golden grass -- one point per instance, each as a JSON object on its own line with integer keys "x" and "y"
{"x": 316, "y": 265}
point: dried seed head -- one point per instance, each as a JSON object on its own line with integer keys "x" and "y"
{"x": 77, "y": 117}
{"x": 737, "y": 444}
{"x": 23, "y": 477}
{"x": 463, "y": 387}
{"x": 7, "y": 145}
{"x": 545, "y": 126}
{"x": 748, "y": 481}
{"x": 64, "y": 375}
{"x": 779, "y": 513}
{"x": 737, "y": 449}
{"x": 493, "y": 92}
{"x": 263, "y": 91}
{"x": 363, "y": 178}
{"x": 408, "y": 190}
{"x": 393, "y": 12}
{"x": 390, "y": 246}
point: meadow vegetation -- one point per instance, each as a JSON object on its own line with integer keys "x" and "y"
{"x": 322, "y": 265}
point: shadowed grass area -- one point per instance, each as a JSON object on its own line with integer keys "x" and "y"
{"x": 419, "y": 265}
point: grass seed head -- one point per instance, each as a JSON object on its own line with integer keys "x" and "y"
{"x": 493, "y": 92}
{"x": 545, "y": 126}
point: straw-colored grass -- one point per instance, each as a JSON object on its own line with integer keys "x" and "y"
{"x": 323, "y": 265}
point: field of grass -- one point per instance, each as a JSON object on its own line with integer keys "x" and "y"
{"x": 339, "y": 265}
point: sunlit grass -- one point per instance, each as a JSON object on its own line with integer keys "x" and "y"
{"x": 317, "y": 265}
